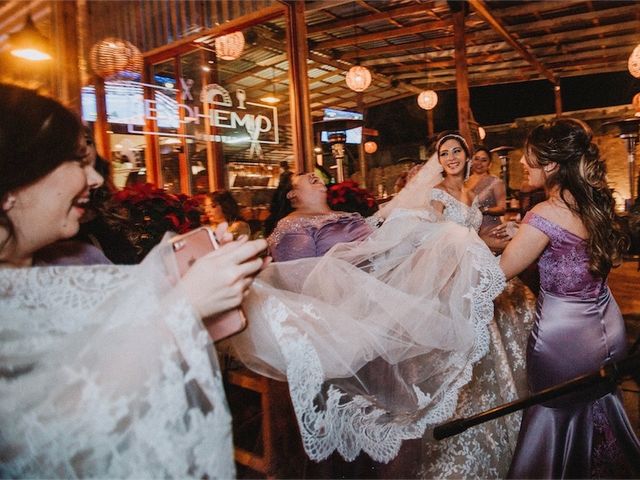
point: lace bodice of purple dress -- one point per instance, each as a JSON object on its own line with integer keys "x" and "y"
{"x": 564, "y": 264}
{"x": 302, "y": 237}
{"x": 458, "y": 212}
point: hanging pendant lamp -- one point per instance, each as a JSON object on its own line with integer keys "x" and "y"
{"x": 229, "y": 47}
{"x": 29, "y": 44}
{"x": 358, "y": 78}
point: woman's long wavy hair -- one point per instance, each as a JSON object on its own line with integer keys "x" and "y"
{"x": 582, "y": 174}
{"x": 280, "y": 204}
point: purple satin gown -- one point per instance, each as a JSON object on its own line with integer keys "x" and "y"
{"x": 578, "y": 328}
{"x": 303, "y": 237}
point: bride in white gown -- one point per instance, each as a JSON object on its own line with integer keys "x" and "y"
{"x": 378, "y": 338}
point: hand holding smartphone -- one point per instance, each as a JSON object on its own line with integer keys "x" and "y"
{"x": 190, "y": 247}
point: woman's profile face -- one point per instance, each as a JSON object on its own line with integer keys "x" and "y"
{"x": 50, "y": 209}
{"x": 452, "y": 157}
{"x": 213, "y": 211}
{"x": 308, "y": 188}
{"x": 534, "y": 173}
{"x": 481, "y": 162}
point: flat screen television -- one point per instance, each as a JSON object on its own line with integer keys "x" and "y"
{"x": 354, "y": 135}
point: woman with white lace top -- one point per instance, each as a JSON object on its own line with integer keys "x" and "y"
{"x": 107, "y": 371}
{"x": 500, "y": 376}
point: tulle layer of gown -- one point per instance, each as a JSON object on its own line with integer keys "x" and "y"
{"x": 377, "y": 337}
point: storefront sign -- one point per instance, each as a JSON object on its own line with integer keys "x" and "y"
{"x": 232, "y": 119}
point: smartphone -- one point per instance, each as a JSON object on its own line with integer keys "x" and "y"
{"x": 187, "y": 249}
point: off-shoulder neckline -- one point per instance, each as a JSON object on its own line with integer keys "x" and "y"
{"x": 533, "y": 214}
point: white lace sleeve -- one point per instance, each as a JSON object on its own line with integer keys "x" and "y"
{"x": 107, "y": 372}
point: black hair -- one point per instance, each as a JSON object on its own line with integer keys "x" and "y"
{"x": 37, "y": 135}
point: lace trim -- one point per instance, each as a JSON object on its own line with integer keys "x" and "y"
{"x": 350, "y": 424}
{"x": 297, "y": 223}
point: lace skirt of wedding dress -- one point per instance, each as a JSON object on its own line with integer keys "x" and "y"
{"x": 376, "y": 338}
{"x": 107, "y": 372}
{"x": 485, "y": 451}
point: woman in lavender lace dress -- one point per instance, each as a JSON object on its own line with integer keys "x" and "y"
{"x": 312, "y": 228}
{"x": 578, "y": 323}
{"x": 490, "y": 190}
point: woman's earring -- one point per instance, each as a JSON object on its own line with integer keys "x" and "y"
{"x": 8, "y": 202}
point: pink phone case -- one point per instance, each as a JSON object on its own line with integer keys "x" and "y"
{"x": 188, "y": 248}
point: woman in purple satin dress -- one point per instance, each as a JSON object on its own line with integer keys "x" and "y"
{"x": 312, "y": 228}
{"x": 578, "y": 326}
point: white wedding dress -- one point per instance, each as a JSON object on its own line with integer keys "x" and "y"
{"x": 377, "y": 338}
{"x": 485, "y": 451}
{"x": 106, "y": 372}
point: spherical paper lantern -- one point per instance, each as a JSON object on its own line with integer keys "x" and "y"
{"x": 636, "y": 102}
{"x": 482, "y": 133}
{"x": 428, "y": 99}
{"x": 229, "y": 47}
{"x": 634, "y": 62}
{"x": 358, "y": 78}
{"x": 370, "y": 147}
{"x": 113, "y": 56}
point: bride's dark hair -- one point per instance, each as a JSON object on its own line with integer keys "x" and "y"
{"x": 37, "y": 134}
{"x": 583, "y": 174}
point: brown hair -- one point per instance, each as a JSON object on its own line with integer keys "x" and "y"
{"x": 583, "y": 174}
{"x": 37, "y": 134}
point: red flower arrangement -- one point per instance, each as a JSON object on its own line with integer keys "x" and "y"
{"x": 347, "y": 196}
{"x": 144, "y": 213}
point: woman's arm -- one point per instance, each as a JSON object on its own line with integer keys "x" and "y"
{"x": 500, "y": 194}
{"x": 523, "y": 250}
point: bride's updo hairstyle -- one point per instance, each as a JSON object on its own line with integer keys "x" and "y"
{"x": 583, "y": 174}
{"x": 37, "y": 134}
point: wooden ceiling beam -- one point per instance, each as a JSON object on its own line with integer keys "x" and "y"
{"x": 383, "y": 35}
{"x": 484, "y": 12}
{"x": 315, "y": 5}
{"x": 364, "y": 19}
{"x": 577, "y": 20}
{"x": 429, "y": 42}
{"x": 369, "y": 18}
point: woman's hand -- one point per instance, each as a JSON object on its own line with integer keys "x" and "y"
{"x": 497, "y": 238}
{"x": 218, "y": 281}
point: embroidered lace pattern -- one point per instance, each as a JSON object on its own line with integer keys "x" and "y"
{"x": 309, "y": 324}
{"x": 298, "y": 223}
{"x": 564, "y": 265}
{"x": 106, "y": 373}
{"x": 458, "y": 212}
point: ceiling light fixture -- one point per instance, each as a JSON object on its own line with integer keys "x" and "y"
{"x": 28, "y": 43}
{"x": 429, "y": 98}
{"x": 271, "y": 98}
{"x": 358, "y": 77}
{"x": 229, "y": 47}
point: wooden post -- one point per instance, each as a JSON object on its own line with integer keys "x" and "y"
{"x": 302, "y": 129}
{"x": 362, "y": 155}
{"x": 462, "y": 78}
{"x": 66, "y": 77}
{"x": 430, "y": 127}
{"x": 557, "y": 93}
{"x": 103, "y": 146}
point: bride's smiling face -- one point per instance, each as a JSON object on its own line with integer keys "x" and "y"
{"x": 452, "y": 157}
